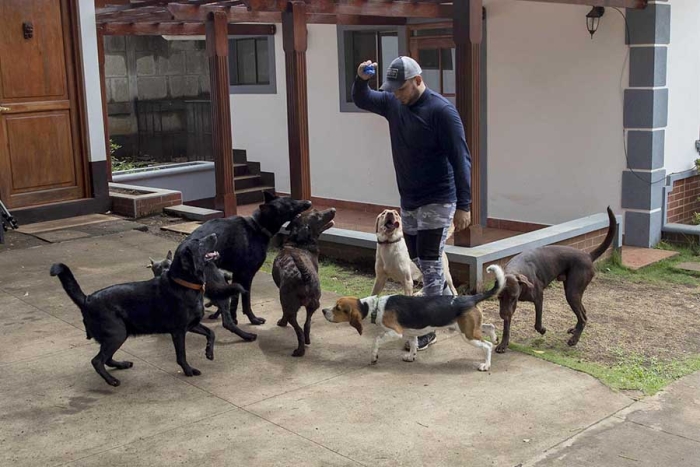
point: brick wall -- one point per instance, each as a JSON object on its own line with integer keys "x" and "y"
{"x": 587, "y": 242}
{"x": 683, "y": 200}
{"x": 134, "y": 206}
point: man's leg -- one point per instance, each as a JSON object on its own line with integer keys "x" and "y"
{"x": 433, "y": 223}
{"x": 410, "y": 233}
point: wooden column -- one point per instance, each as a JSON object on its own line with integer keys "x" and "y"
{"x": 217, "y": 51}
{"x": 103, "y": 91}
{"x": 294, "y": 35}
{"x": 467, "y": 25}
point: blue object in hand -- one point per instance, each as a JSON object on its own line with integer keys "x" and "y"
{"x": 369, "y": 70}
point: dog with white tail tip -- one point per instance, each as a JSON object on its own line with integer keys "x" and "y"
{"x": 402, "y": 316}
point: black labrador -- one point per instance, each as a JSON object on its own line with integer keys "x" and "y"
{"x": 213, "y": 277}
{"x": 295, "y": 271}
{"x": 242, "y": 244}
{"x": 169, "y": 304}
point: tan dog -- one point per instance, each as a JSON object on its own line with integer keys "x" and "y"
{"x": 392, "y": 258}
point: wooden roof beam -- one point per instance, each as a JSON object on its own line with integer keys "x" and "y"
{"x": 183, "y": 29}
{"x": 401, "y": 9}
{"x": 635, "y": 4}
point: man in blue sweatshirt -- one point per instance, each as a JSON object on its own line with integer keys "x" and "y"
{"x": 432, "y": 163}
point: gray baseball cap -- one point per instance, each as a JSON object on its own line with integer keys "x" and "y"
{"x": 400, "y": 70}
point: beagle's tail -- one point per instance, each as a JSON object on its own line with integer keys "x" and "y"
{"x": 495, "y": 290}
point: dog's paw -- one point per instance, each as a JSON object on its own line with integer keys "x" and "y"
{"x": 373, "y": 362}
{"x": 484, "y": 367}
{"x": 541, "y": 330}
{"x": 257, "y": 321}
{"x": 573, "y": 341}
{"x": 114, "y": 382}
{"x": 209, "y": 353}
{"x": 249, "y": 337}
{"x": 282, "y": 323}
{"x": 409, "y": 358}
{"x": 500, "y": 348}
{"x": 298, "y": 352}
{"x": 192, "y": 372}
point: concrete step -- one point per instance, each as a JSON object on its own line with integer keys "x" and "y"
{"x": 240, "y": 170}
{"x": 247, "y": 181}
{"x": 193, "y": 212}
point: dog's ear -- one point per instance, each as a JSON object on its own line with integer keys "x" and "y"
{"x": 269, "y": 197}
{"x": 524, "y": 282}
{"x": 169, "y": 255}
{"x": 356, "y": 320}
{"x": 376, "y": 224}
{"x": 150, "y": 266}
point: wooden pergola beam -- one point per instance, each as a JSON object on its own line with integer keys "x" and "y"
{"x": 222, "y": 144}
{"x": 183, "y": 29}
{"x": 294, "y": 42}
{"x": 269, "y": 10}
{"x": 635, "y": 4}
{"x": 467, "y": 26}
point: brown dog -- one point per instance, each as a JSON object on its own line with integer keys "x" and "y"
{"x": 530, "y": 272}
{"x": 295, "y": 272}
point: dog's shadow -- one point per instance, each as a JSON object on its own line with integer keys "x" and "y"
{"x": 337, "y": 346}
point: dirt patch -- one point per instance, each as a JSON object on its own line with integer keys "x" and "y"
{"x": 124, "y": 191}
{"x": 624, "y": 318}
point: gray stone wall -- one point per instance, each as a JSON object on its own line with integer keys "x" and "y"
{"x": 141, "y": 70}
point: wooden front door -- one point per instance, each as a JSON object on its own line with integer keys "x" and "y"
{"x": 41, "y": 156}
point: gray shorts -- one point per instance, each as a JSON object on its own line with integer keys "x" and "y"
{"x": 428, "y": 217}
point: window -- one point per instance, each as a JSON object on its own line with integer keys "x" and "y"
{"x": 357, "y": 44}
{"x": 435, "y": 50}
{"x": 252, "y": 65}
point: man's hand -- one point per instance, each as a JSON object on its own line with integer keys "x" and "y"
{"x": 462, "y": 220}
{"x": 361, "y": 72}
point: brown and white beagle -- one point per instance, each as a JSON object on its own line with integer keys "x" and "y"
{"x": 410, "y": 316}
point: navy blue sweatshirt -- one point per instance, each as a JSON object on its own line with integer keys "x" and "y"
{"x": 431, "y": 158}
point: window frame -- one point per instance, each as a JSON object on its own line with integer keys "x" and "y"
{"x": 270, "y": 88}
{"x": 342, "y": 71}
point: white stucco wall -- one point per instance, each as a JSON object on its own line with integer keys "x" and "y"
{"x": 93, "y": 95}
{"x": 683, "y": 79}
{"x": 554, "y": 118}
{"x": 350, "y": 152}
{"x": 555, "y": 142}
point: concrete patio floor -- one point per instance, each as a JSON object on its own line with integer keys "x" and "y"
{"x": 255, "y": 404}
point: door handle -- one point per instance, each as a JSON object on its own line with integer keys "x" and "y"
{"x": 4, "y": 109}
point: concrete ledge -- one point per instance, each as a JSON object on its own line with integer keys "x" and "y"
{"x": 475, "y": 258}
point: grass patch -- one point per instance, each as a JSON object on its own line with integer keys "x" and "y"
{"x": 657, "y": 273}
{"x": 630, "y": 372}
{"x": 338, "y": 278}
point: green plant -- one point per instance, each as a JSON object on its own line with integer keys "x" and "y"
{"x": 113, "y": 147}
{"x": 696, "y": 218}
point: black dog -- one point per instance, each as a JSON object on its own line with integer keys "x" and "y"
{"x": 295, "y": 271}
{"x": 169, "y": 304}
{"x": 213, "y": 277}
{"x": 242, "y": 244}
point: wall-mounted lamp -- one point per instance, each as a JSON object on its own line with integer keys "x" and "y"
{"x": 593, "y": 19}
